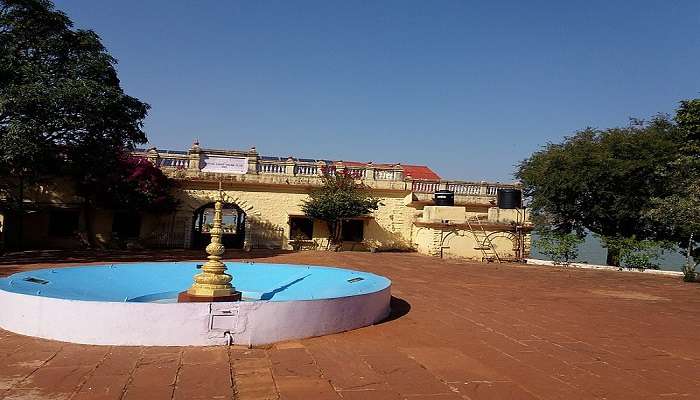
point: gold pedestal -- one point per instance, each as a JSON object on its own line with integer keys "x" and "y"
{"x": 185, "y": 297}
{"x": 213, "y": 283}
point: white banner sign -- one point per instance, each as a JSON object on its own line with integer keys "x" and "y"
{"x": 225, "y": 165}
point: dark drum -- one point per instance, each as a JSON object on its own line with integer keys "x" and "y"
{"x": 444, "y": 198}
{"x": 509, "y": 198}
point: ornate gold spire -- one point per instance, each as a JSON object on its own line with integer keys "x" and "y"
{"x": 213, "y": 281}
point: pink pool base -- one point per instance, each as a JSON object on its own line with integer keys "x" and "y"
{"x": 31, "y": 305}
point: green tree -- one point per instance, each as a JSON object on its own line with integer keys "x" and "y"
{"x": 678, "y": 212}
{"x": 562, "y": 248}
{"x": 688, "y": 119}
{"x": 634, "y": 253}
{"x": 680, "y": 215}
{"x": 602, "y": 180}
{"x": 341, "y": 197}
{"x": 62, "y": 109}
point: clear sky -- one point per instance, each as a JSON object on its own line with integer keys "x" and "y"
{"x": 469, "y": 88}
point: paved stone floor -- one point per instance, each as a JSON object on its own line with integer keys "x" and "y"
{"x": 459, "y": 331}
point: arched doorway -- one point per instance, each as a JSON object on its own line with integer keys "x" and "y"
{"x": 506, "y": 244}
{"x": 233, "y": 224}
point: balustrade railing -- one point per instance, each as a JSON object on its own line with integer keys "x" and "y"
{"x": 311, "y": 168}
{"x": 464, "y": 189}
{"x": 425, "y": 187}
{"x": 173, "y": 162}
{"x": 386, "y": 175}
{"x": 271, "y": 168}
{"x": 460, "y": 188}
{"x": 357, "y": 173}
{"x": 308, "y": 170}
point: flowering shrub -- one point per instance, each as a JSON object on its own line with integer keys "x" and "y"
{"x": 136, "y": 184}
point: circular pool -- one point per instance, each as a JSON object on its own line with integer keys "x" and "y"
{"x": 135, "y": 304}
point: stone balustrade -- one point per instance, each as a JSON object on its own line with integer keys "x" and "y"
{"x": 173, "y": 163}
{"x": 188, "y": 165}
{"x": 307, "y": 170}
{"x": 461, "y": 188}
{"x": 425, "y": 187}
{"x": 174, "y": 160}
{"x": 386, "y": 175}
{"x": 271, "y": 168}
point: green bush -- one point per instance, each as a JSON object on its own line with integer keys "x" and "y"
{"x": 633, "y": 253}
{"x": 561, "y": 248}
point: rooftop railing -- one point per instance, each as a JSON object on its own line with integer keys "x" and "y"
{"x": 191, "y": 162}
{"x": 460, "y": 187}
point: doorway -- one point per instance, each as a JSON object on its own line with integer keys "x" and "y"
{"x": 233, "y": 226}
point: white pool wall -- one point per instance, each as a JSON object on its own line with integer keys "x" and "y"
{"x": 187, "y": 324}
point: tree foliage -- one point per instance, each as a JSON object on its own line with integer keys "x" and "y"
{"x": 678, "y": 212}
{"x": 600, "y": 180}
{"x": 62, "y": 109}
{"x": 688, "y": 119}
{"x": 562, "y": 248}
{"x": 678, "y": 209}
{"x": 341, "y": 197}
{"x": 638, "y": 188}
{"x": 634, "y": 253}
{"x": 136, "y": 185}
{"x": 603, "y": 180}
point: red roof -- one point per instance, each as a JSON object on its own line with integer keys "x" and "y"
{"x": 420, "y": 172}
{"x": 417, "y": 172}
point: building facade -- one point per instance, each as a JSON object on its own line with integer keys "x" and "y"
{"x": 262, "y": 209}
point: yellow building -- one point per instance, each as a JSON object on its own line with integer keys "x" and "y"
{"x": 263, "y": 198}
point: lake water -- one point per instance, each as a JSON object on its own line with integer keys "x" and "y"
{"x": 591, "y": 252}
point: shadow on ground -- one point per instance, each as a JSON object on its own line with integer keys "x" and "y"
{"x": 399, "y": 308}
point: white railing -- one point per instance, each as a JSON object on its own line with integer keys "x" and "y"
{"x": 460, "y": 188}
{"x": 272, "y": 168}
{"x": 357, "y": 173}
{"x": 386, "y": 175}
{"x": 301, "y": 169}
{"x": 425, "y": 187}
{"x": 173, "y": 162}
{"x": 464, "y": 189}
{"x": 312, "y": 168}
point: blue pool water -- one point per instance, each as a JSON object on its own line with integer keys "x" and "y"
{"x": 162, "y": 281}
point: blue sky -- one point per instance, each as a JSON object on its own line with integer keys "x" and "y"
{"x": 469, "y": 88}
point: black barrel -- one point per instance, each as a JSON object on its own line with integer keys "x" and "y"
{"x": 444, "y": 198}
{"x": 509, "y": 198}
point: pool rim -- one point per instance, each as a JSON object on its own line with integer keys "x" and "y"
{"x": 388, "y": 282}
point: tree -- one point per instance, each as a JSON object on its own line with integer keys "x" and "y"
{"x": 341, "y": 197}
{"x": 62, "y": 109}
{"x": 679, "y": 211}
{"x": 603, "y": 180}
{"x": 680, "y": 215}
{"x": 562, "y": 248}
{"x": 688, "y": 119}
{"x": 136, "y": 185}
{"x": 634, "y": 253}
